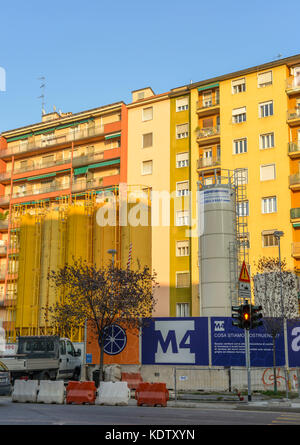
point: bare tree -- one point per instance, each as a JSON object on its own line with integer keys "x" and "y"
{"x": 267, "y": 291}
{"x": 102, "y": 298}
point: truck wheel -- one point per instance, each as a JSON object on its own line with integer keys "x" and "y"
{"x": 44, "y": 376}
{"x": 76, "y": 374}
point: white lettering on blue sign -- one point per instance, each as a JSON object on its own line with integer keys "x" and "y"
{"x": 174, "y": 342}
{"x": 296, "y": 341}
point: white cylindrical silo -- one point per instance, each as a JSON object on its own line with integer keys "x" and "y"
{"x": 217, "y": 252}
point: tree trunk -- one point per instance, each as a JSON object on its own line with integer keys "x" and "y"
{"x": 274, "y": 363}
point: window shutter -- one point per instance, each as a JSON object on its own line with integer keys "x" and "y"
{"x": 147, "y": 140}
{"x": 265, "y": 78}
{"x": 147, "y": 113}
{"x": 183, "y": 128}
{"x": 267, "y": 172}
{"x": 237, "y": 111}
{"x": 182, "y": 186}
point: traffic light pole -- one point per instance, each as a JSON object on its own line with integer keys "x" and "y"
{"x": 247, "y": 350}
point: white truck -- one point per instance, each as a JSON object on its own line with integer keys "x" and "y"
{"x": 44, "y": 358}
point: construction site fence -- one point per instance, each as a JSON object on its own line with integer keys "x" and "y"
{"x": 235, "y": 379}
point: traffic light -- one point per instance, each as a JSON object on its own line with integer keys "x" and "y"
{"x": 256, "y": 316}
{"x": 246, "y": 316}
{"x": 237, "y": 316}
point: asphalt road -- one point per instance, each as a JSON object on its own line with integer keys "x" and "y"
{"x": 41, "y": 414}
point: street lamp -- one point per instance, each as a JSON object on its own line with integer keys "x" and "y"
{"x": 278, "y": 234}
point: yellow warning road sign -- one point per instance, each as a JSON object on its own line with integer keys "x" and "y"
{"x": 244, "y": 275}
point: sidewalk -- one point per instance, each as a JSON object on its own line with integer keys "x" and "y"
{"x": 231, "y": 402}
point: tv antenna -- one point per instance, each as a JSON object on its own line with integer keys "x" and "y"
{"x": 42, "y": 96}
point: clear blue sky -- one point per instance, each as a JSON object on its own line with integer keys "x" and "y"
{"x": 96, "y": 52}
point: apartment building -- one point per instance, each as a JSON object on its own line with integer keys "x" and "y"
{"x": 149, "y": 168}
{"x": 66, "y": 159}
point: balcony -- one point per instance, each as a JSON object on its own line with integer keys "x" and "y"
{"x": 82, "y": 185}
{"x": 293, "y": 116}
{"x": 296, "y": 250}
{"x": 34, "y": 144}
{"x": 38, "y": 165}
{"x": 294, "y": 181}
{"x": 3, "y": 224}
{"x": 294, "y": 149}
{"x": 207, "y": 163}
{"x": 86, "y": 159}
{"x": 4, "y": 201}
{"x": 208, "y": 107}
{"x": 292, "y": 85}
{"x": 209, "y": 135}
{"x": 54, "y": 186}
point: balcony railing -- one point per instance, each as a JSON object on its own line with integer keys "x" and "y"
{"x": 208, "y": 162}
{"x": 3, "y": 224}
{"x": 40, "y": 164}
{"x": 51, "y": 187}
{"x": 294, "y": 179}
{"x": 208, "y": 132}
{"x": 293, "y": 83}
{"x": 295, "y": 213}
{"x": 208, "y": 103}
{"x": 82, "y": 185}
{"x": 296, "y": 249}
{"x": 34, "y": 143}
{"x": 292, "y": 114}
{"x": 293, "y": 147}
{"x": 85, "y": 159}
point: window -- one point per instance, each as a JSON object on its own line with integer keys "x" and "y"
{"x": 264, "y": 79}
{"x": 207, "y": 157}
{"x": 182, "y": 188}
{"x": 239, "y": 115}
{"x": 182, "y": 104}
{"x": 182, "y": 248}
{"x": 182, "y": 310}
{"x": 268, "y": 238}
{"x": 182, "y": 218}
{"x": 182, "y": 160}
{"x": 70, "y": 348}
{"x": 182, "y": 131}
{"x": 207, "y": 99}
{"x": 266, "y": 140}
{"x": 147, "y": 167}
{"x": 182, "y": 279}
{"x": 267, "y": 172}
{"x": 147, "y": 114}
{"x": 240, "y": 146}
{"x": 238, "y": 86}
{"x": 269, "y": 205}
{"x": 242, "y": 208}
{"x": 147, "y": 140}
{"x": 266, "y": 109}
{"x": 141, "y": 95}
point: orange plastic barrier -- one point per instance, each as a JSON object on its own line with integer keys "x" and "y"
{"x": 133, "y": 379}
{"x": 81, "y": 392}
{"x": 152, "y": 394}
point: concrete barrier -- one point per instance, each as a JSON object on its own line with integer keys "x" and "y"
{"x": 25, "y": 391}
{"x": 81, "y": 392}
{"x": 51, "y": 392}
{"x": 113, "y": 393}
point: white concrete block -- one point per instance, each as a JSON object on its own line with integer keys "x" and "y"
{"x": 25, "y": 391}
{"x": 113, "y": 393}
{"x": 51, "y": 392}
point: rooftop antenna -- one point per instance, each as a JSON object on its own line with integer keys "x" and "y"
{"x": 42, "y": 96}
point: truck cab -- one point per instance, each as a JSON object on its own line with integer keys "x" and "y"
{"x": 69, "y": 360}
